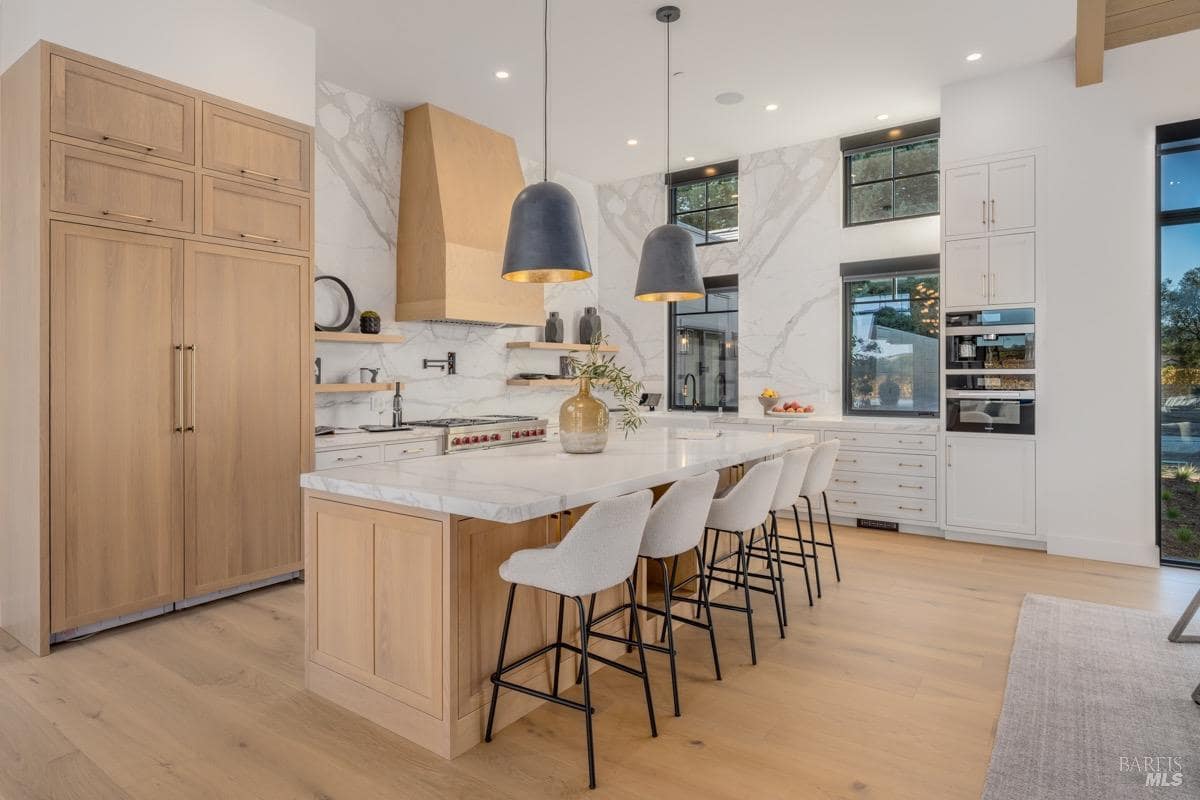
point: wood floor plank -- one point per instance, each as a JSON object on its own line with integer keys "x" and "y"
{"x": 905, "y": 658}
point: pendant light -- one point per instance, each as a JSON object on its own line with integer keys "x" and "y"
{"x": 545, "y": 232}
{"x": 668, "y": 270}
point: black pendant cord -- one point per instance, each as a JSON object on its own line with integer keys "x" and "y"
{"x": 545, "y": 90}
{"x": 667, "y": 163}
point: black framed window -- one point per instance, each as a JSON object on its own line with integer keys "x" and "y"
{"x": 891, "y": 346}
{"x": 891, "y": 174}
{"x": 703, "y": 354}
{"x": 704, "y": 201}
{"x": 1178, "y": 318}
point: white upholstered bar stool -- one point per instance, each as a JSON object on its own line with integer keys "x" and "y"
{"x": 675, "y": 527}
{"x": 742, "y": 509}
{"x": 791, "y": 484}
{"x": 600, "y": 552}
{"x": 816, "y": 481}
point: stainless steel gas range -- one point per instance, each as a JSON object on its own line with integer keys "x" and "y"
{"x": 490, "y": 430}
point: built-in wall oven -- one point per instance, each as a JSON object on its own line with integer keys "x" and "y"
{"x": 990, "y": 371}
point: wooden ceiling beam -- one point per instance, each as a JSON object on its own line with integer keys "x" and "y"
{"x": 1151, "y": 22}
{"x": 1089, "y": 42}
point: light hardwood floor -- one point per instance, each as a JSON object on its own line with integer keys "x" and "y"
{"x": 889, "y": 688}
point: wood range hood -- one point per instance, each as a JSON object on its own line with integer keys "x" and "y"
{"x": 458, "y": 180}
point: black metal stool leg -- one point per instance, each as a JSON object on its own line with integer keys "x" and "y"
{"x": 744, "y": 568}
{"x": 558, "y": 644}
{"x": 803, "y": 558}
{"x": 832, "y": 545}
{"x": 775, "y": 584}
{"x": 669, "y": 624}
{"x": 812, "y": 532}
{"x": 712, "y": 630}
{"x": 590, "y": 613}
{"x": 703, "y": 549}
{"x": 641, "y": 646}
{"x": 512, "y": 590}
{"x": 774, "y": 537}
{"x": 587, "y": 691}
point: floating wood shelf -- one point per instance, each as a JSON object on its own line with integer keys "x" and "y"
{"x": 542, "y": 381}
{"x": 359, "y": 338}
{"x": 569, "y": 346}
{"x": 355, "y": 387}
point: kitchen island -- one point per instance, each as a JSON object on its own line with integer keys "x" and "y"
{"x": 403, "y": 602}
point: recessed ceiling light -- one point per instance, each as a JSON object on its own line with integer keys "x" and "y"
{"x": 689, "y": 159}
{"x": 501, "y": 74}
{"x": 631, "y": 142}
{"x": 772, "y": 106}
{"x": 881, "y": 117}
{"x": 974, "y": 56}
{"x": 730, "y": 98}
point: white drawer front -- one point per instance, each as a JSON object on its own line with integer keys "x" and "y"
{"x": 849, "y": 504}
{"x": 886, "y": 463}
{"x": 349, "y": 457}
{"x": 896, "y": 485}
{"x": 889, "y": 441}
{"x": 401, "y": 451}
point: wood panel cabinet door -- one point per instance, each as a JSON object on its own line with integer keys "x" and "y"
{"x": 966, "y": 200}
{"x": 244, "y": 213}
{"x": 254, "y": 148}
{"x": 249, "y": 380}
{"x": 116, "y": 497}
{"x": 965, "y": 273}
{"x": 103, "y": 106}
{"x": 1012, "y": 269}
{"x": 1011, "y": 183}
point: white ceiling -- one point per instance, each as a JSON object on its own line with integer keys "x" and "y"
{"x": 831, "y": 66}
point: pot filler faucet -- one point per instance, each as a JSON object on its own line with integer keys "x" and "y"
{"x": 448, "y": 363}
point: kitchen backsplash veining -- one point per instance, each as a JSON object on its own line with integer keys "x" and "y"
{"x": 357, "y": 175}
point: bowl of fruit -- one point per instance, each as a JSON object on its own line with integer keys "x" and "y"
{"x": 768, "y": 398}
{"x": 790, "y": 409}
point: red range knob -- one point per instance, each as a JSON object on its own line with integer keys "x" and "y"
{"x": 541, "y": 431}
{"x": 495, "y": 437}
{"x": 474, "y": 439}
{"x": 456, "y": 440}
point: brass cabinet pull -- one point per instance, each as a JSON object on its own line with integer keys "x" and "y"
{"x": 149, "y": 148}
{"x": 846, "y": 502}
{"x": 983, "y": 208}
{"x": 910, "y": 466}
{"x": 847, "y": 460}
{"x": 843, "y": 480}
{"x": 109, "y": 213}
{"x": 949, "y": 463}
{"x": 259, "y": 237}
{"x": 414, "y": 450}
{"x": 993, "y": 211}
{"x": 191, "y": 348}
{"x": 909, "y": 508}
{"x": 910, "y": 441}
{"x": 266, "y": 175}
{"x": 906, "y": 486}
{"x": 993, "y": 292}
{"x": 352, "y": 458}
{"x": 983, "y": 278}
{"x": 179, "y": 389}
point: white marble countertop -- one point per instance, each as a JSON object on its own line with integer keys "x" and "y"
{"x": 337, "y": 441}
{"x": 514, "y": 484}
{"x": 704, "y": 419}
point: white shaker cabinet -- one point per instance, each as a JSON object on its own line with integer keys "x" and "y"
{"x": 990, "y": 484}
{"x": 1011, "y": 202}
{"x": 1012, "y": 274}
{"x": 965, "y": 277}
{"x": 966, "y": 201}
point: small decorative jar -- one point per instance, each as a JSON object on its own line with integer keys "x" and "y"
{"x": 583, "y": 422}
{"x": 369, "y": 322}
{"x": 589, "y": 326}
{"x": 554, "y": 328}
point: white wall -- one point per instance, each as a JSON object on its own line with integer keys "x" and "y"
{"x": 1096, "y": 470}
{"x": 231, "y": 48}
{"x": 787, "y": 260}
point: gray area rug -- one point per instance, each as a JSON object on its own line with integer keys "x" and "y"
{"x": 1098, "y": 707}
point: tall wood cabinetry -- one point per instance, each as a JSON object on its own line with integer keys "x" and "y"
{"x": 155, "y": 303}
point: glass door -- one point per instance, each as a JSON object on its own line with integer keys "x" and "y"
{"x": 1179, "y": 343}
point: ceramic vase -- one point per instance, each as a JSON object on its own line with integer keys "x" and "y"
{"x": 583, "y": 422}
{"x": 554, "y": 327}
{"x": 589, "y": 326}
